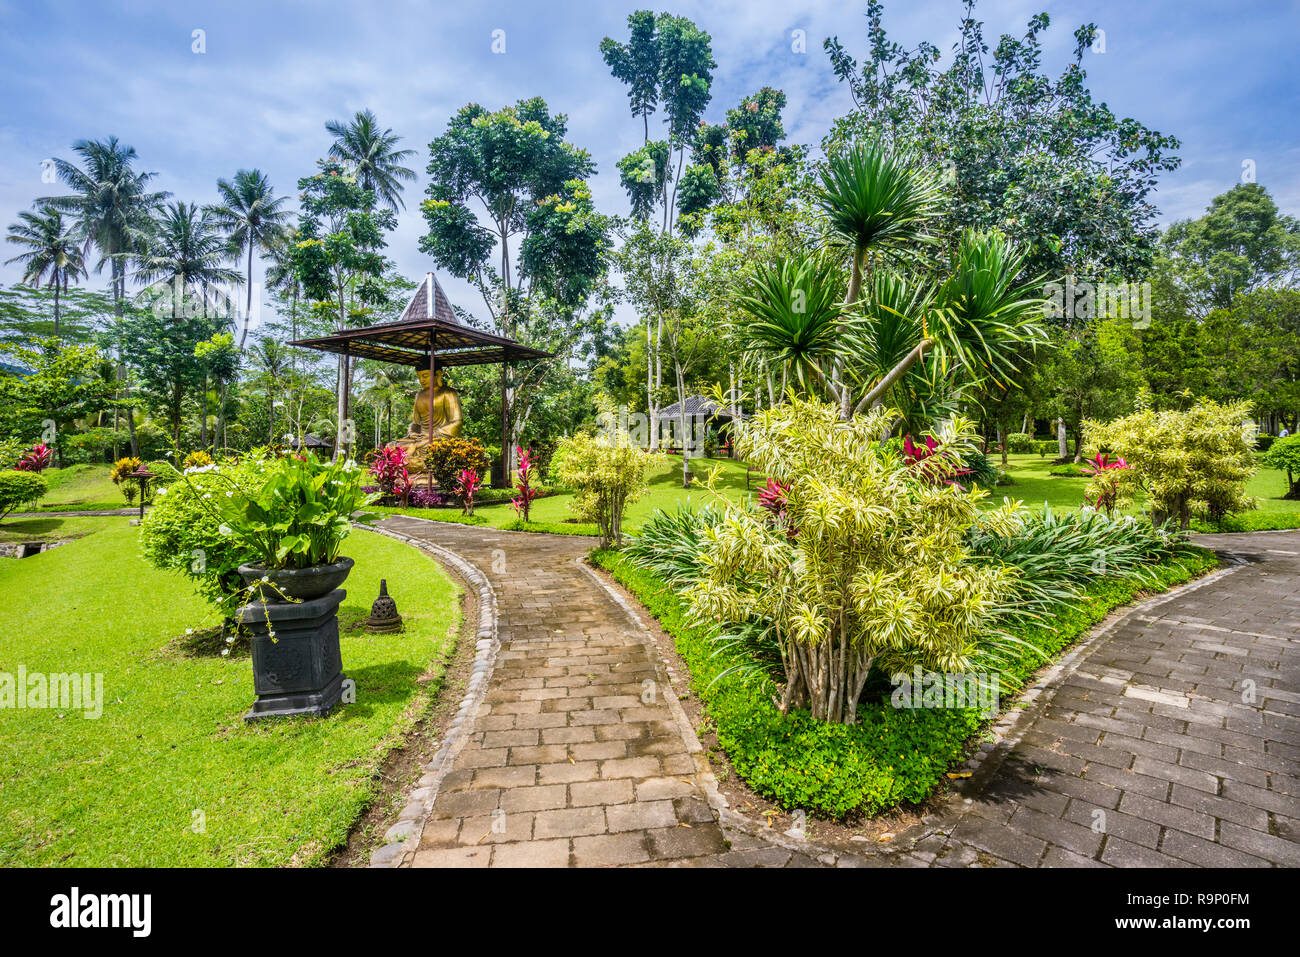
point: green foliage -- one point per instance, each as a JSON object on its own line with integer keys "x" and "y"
{"x": 891, "y": 756}
{"x": 182, "y": 531}
{"x": 63, "y": 385}
{"x": 447, "y": 457}
{"x": 1020, "y": 443}
{"x": 1034, "y": 156}
{"x": 1284, "y": 455}
{"x": 292, "y": 512}
{"x": 1196, "y": 459}
{"x": 867, "y": 566}
{"x": 1047, "y": 447}
{"x": 18, "y": 489}
{"x": 605, "y": 477}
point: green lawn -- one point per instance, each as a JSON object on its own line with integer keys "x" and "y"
{"x": 50, "y": 528}
{"x": 80, "y": 488}
{"x": 1034, "y": 486}
{"x": 123, "y": 790}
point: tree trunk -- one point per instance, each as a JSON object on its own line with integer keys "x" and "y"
{"x": 688, "y": 437}
{"x": 1062, "y": 444}
{"x": 1002, "y": 441}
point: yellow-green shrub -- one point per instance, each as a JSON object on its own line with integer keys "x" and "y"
{"x": 605, "y": 477}
{"x": 1197, "y": 459}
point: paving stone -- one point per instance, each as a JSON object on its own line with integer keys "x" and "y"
{"x": 607, "y": 850}
{"x": 532, "y": 854}
{"x": 586, "y": 793}
{"x": 571, "y": 822}
{"x": 642, "y": 815}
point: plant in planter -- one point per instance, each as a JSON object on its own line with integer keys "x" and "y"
{"x": 292, "y": 518}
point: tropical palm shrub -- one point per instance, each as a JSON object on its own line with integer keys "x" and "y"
{"x": 1053, "y": 555}
{"x": 877, "y": 573}
{"x": 670, "y": 544}
{"x": 1197, "y": 459}
{"x": 606, "y": 477}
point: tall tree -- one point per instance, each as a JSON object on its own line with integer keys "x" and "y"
{"x": 112, "y": 203}
{"x": 338, "y": 257}
{"x": 254, "y": 220}
{"x": 1021, "y": 151}
{"x": 1242, "y": 243}
{"x": 667, "y": 65}
{"x": 537, "y": 254}
{"x": 53, "y": 252}
{"x": 372, "y": 155}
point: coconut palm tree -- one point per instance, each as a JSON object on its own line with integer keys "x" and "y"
{"x": 253, "y": 218}
{"x": 184, "y": 249}
{"x": 111, "y": 204}
{"x": 370, "y": 151}
{"x": 53, "y": 251}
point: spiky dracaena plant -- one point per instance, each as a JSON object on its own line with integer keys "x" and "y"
{"x": 877, "y": 574}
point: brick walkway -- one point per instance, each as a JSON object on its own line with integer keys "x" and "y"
{"x": 1142, "y": 753}
{"x": 577, "y": 756}
{"x": 1173, "y": 742}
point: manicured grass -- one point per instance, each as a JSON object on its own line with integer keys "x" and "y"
{"x": 1035, "y": 486}
{"x": 50, "y": 528}
{"x": 891, "y": 756}
{"x": 663, "y": 491}
{"x": 123, "y": 789}
{"x": 81, "y": 487}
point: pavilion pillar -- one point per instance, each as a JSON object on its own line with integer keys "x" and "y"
{"x": 428, "y": 435}
{"x": 502, "y": 477}
{"x": 345, "y": 385}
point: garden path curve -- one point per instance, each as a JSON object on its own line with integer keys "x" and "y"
{"x": 1141, "y": 747}
{"x": 579, "y": 753}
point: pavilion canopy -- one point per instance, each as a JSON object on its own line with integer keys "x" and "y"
{"x": 428, "y": 316}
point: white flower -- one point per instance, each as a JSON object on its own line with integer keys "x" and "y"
{"x": 230, "y": 495}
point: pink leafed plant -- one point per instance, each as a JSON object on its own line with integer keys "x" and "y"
{"x": 389, "y": 470}
{"x": 932, "y": 463}
{"x": 36, "y": 459}
{"x": 1103, "y": 492}
{"x": 467, "y": 483}
{"x": 523, "y": 502}
{"x": 774, "y": 498}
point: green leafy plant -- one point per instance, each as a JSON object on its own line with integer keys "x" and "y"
{"x": 1020, "y": 443}
{"x": 1197, "y": 459}
{"x": 446, "y": 458}
{"x": 878, "y": 573}
{"x": 1284, "y": 455}
{"x": 293, "y": 513}
{"x": 18, "y": 488}
{"x": 605, "y": 477}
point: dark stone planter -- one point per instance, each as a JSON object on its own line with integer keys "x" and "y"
{"x": 304, "y": 584}
{"x": 300, "y": 670}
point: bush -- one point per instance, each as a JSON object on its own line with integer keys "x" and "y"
{"x": 980, "y": 471}
{"x": 182, "y": 532}
{"x": 1068, "y": 470}
{"x": 891, "y": 756}
{"x": 447, "y": 458}
{"x": 196, "y": 460}
{"x": 1284, "y": 455}
{"x": 1048, "y": 447}
{"x": 1020, "y": 443}
{"x": 605, "y": 477}
{"x": 1194, "y": 460}
{"x": 863, "y": 563}
{"x": 18, "y": 488}
{"x": 1264, "y": 441}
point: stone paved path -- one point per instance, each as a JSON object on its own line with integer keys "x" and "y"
{"x": 572, "y": 759}
{"x": 1174, "y": 742}
{"x": 1142, "y": 753}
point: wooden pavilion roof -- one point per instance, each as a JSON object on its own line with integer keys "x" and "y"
{"x": 406, "y": 341}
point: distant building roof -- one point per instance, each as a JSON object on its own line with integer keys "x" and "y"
{"x": 698, "y": 405}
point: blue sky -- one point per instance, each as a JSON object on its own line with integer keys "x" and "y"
{"x": 1221, "y": 77}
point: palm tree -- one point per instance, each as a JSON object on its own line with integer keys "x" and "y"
{"x": 371, "y": 153}
{"x": 111, "y": 204}
{"x": 270, "y": 358}
{"x": 183, "y": 248}
{"x": 53, "y": 249}
{"x": 252, "y": 217}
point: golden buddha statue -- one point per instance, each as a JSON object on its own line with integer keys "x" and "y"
{"x": 444, "y": 402}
